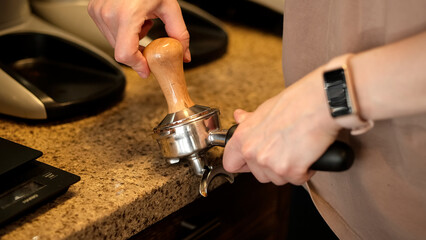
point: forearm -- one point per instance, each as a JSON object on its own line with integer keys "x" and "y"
{"x": 390, "y": 81}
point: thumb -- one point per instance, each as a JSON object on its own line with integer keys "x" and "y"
{"x": 175, "y": 26}
{"x": 241, "y": 115}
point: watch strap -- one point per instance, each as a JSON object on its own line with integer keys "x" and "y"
{"x": 350, "y": 119}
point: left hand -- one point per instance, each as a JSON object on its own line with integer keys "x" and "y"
{"x": 285, "y": 135}
{"x": 125, "y": 22}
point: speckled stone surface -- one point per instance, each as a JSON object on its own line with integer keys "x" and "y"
{"x": 125, "y": 184}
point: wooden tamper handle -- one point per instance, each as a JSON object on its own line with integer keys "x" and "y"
{"x": 165, "y": 60}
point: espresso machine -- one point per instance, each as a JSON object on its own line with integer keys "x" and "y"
{"x": 189, "y": 130}
{"x": 48, "y": 73}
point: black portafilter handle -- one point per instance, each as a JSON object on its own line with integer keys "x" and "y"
{"x": 338, "y": 157}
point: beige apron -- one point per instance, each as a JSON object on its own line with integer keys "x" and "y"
{"x": 383, "y": 196}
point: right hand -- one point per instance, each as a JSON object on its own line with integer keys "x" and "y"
{"x": 285, "y": 135}
{"x": 125, "y": 22}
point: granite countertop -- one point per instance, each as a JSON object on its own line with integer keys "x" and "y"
{"x": 125, "y": 184}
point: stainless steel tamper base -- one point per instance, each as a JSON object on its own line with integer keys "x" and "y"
{"x": 188, "y": 134}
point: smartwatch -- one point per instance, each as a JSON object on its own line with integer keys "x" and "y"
{"x": 341, "y": 96}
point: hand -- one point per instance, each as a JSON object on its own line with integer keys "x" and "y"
{"x": 125, "y": 22}
{"x": 284, "y": 136}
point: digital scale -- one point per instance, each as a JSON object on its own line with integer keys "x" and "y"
{"x": 26, "y": 183}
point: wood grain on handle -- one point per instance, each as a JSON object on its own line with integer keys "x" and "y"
{"x": 165, "y": 60}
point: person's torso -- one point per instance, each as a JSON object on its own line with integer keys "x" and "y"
{"x": 383, "y": 195}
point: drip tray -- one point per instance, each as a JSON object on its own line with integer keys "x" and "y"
{"x": 67, "y": 78}
{"x": 76, "y": 82}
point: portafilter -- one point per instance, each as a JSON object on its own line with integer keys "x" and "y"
{"x": 188, "y": 131}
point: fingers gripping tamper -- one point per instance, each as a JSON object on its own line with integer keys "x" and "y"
{"x": 188, "y": 130}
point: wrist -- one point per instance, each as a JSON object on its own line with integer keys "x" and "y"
{"x": 314, "y": 95}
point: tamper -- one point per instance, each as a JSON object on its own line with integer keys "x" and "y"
{"x": 188, "y": 131}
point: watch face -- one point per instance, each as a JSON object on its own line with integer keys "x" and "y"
{"x": 337, "y": 92}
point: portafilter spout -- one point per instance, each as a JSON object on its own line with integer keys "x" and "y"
{"x": 188, "y": 130}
